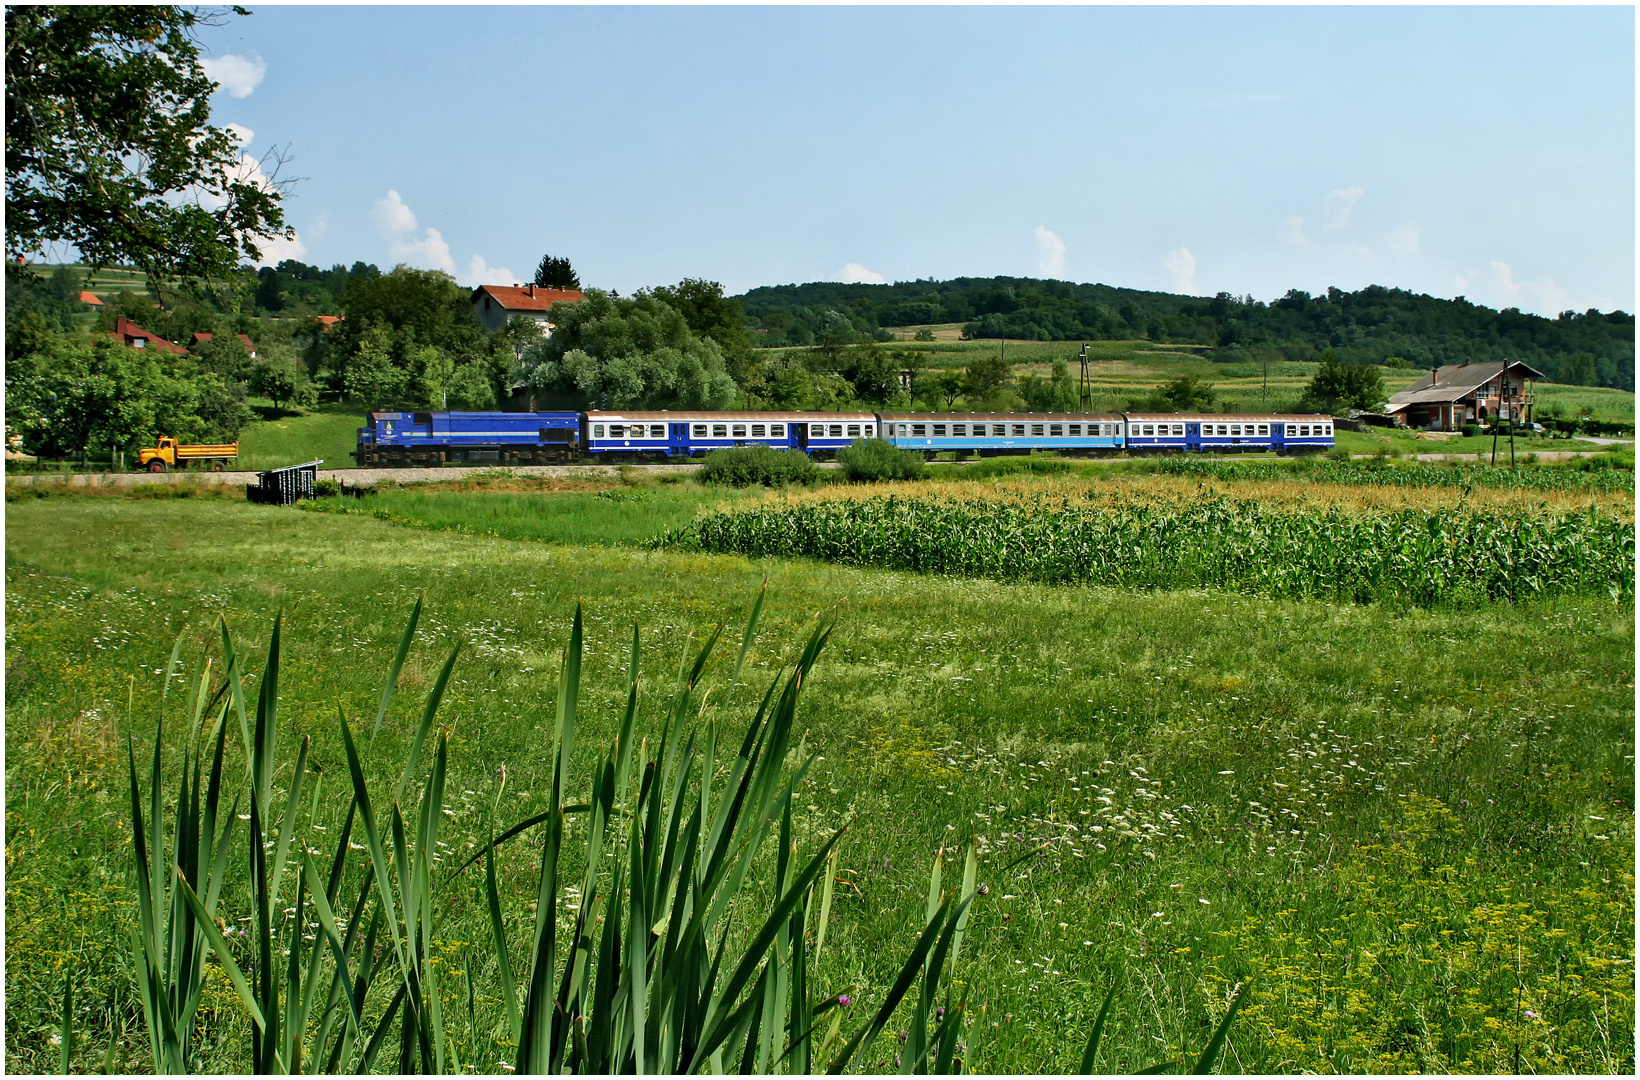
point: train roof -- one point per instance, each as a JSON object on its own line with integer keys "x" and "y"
{"x": 1234, "y": 418}
{"x": 603, "y": 416}
{"x": 963, "y": 417}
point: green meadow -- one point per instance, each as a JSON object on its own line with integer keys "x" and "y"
{"x": 1407, "y": 830}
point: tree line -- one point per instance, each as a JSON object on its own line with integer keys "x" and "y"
{"x": 1374, "y": 325}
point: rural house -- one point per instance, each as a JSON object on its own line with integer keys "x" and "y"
{"x": 200, "y": 338}
{"x": 138, "y": 338}
{"x": 1459, "y": 394}
{"x": 91, "y": 300}
{"x": 495, "y": 304}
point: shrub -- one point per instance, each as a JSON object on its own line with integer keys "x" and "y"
{"x": 326, "y": 488}
{"x": 744, "y": 466}
{"x": 992, "y": 468}
{"x": 870, "y": 460}
{"x": 1471, "y": 430}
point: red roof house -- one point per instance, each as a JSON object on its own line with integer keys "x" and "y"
{"x": 91, "y": 298}
{"x": 201, "y": 338}
{"x": 495, "y": 304}
{"x": 138, "y": 338}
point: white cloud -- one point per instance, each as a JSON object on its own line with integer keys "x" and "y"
{"x": 280, "y": 248}
{"x": 1340, "y": 205}
{"x": 1403, "y": 241}
{"x": 238, "y": 75}
{"x": 855, "y": 274}
{"x": 392, "y": 218}
{"x": 1182, "y": 265}
{"x": 480, "y": 272}
{"x": 321, "y": 227}
{"x": 1497, "y": 287}
{"x": 240, "y": 132}
{"x": 1292, "y": 232}
{"x": 1050, "y": 252}
{"x": 429, "y": 253}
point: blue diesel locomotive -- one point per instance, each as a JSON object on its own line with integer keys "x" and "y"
{"x": 546, "y": 438}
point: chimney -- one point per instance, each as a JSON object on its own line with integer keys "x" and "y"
{"x": 532, "y": 290}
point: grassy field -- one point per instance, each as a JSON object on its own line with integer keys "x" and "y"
{"x": 1415, "y": 826}
{"x": 289, "y": 438}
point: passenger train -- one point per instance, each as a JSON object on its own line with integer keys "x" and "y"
{"x": 543, "y": 438}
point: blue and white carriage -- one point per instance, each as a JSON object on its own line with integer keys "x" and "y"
{"x": 1227, "y": 434}
{"x": 991, "y": 434}
{"x": 681, "y": 434}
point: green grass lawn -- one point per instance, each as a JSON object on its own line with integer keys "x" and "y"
{"x": 1415, "y": 826}
{"x": 289, "y": 438}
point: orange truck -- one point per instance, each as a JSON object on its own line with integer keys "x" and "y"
{"x": 168, "y": 455}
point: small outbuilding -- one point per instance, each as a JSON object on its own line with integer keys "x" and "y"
{"x": 138, "y": 338}
{"x": 1450, "y": 397}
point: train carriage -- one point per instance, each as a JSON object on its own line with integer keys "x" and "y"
{"x": 682, "y": 434}
{"x": 1227, "y": 433}
{"x": 990, "y": 434}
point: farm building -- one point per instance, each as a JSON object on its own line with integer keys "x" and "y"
{"x": 1459, "y": 394}
{"x": 200, "y": 338}
{"x": 138, "y": 338}
{"x": 91, "y": 300}
{"x": 495, "y": 304}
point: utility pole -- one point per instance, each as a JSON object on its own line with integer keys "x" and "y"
{"x": 1084, "y": 391}
{"x": 1264, "y": 395}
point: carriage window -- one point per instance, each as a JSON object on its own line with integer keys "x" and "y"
{"x": 1304, "y": 431}
{"x": 740, "y": 431}
{"x": 817, "y": 430}
{"x": 837, "y": 431}
{"x": 1328, "y": 430}
{"x": 700, "y": 431}
{"x": 1036, "y": 429}
{"x": 1056, "y": 429}
{"x": 657, "y": 431}
{"x": 919, "y": 429}
{"x": 1019, "y": 429}
{"x": 1264, "y": 429}
{"x": 1235, "y": 429}
{"x": 777, "y": 431}
{"x": 597, "y": 431}
{"x": 720, "y": 431}
{"x": 868, "y": 429}
{"x": 902, "y": 429}
{"x": 617, "y": 431}
{"x": 1149, "y": 429}
{"x": 959, "y": 430}
{"x": 939, "y": 429}
{"x": 1178, "y": 429}
{"x": 1076, "y": 429}
{"x": 854, "y": 431}
{"x": 757, "y": 431}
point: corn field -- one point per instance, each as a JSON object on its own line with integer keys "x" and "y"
{"x": 1412, "y": 555}
{"x": 1595, "y": 477}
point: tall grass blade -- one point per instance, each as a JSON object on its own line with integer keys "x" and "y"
{"x": 398, "y": 665}
{"x": 1210, "y": 1055}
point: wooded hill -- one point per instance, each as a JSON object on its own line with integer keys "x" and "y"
{"x": 1372, "y": 325}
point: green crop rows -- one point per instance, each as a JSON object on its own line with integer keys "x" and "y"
{"x": 1595, "y": 479}
{"x": 1422, "y": 557}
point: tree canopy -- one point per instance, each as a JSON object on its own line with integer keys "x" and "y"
{"x": 609, "y": 352}
{"x": 554, "y": 272}
{"x": 110, "y": 149}
{"x": 1374, "y": 325}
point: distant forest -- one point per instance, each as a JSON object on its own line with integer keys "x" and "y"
{"x": 1375, "y": 325}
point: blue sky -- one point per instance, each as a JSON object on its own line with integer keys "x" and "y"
{"x": 1488, "y": 152}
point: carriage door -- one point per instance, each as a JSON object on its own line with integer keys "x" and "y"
{"x": 679, "y": 440}
{"x": 802, "y": 435}
{"x": 1193, "y": 436}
